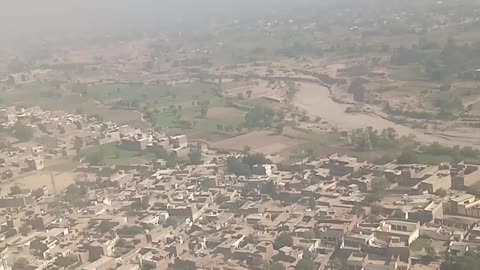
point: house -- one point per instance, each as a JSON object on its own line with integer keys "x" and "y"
{"x": 343, "y": 165}
{"x": 136, "y": 143}
{"x": 461, "y": 248}
{"x": 264, "y": 169}
{"x": 406, "y": 231}
{"x": 17, "y": 201}
{"x": 104, "y": 263}
{"x": 429, "y": 213}
{"x": 464, "y": 205}
{"x": 35, "y": 164}
{"x": 359, "y": 261}
{"x": 179, "y": 141}
{"x": 440, "y": 180}
{"x": 465, "y": 175}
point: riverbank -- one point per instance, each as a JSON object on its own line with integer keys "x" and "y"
{"x": 317, "y": 100}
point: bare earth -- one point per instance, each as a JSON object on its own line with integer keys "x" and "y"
{"x": 261, "y": 141}
{"x": 40, "y": 179}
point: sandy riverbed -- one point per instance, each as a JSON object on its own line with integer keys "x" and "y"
{"x": 315, "y": 99}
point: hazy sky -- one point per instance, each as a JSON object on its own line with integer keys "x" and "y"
{"x": 27, "y": 16}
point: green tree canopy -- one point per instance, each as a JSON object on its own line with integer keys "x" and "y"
{"x": 305, "y": 264}
{"x": 282, "y": 240}
{"x": 22, "y": 132}
{"x": 195, "y": 157}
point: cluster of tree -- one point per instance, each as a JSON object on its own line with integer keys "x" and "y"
{"x": 130, "y": 230}
{"x": 203, "y": 108}
{"x": 243, "y": 166}
{"x": 455, "y": 154}
{"x": 414, "y": 114}
{"x": 96, "y": 158}
{"x": 437, "y": 149}
{"x": 75, "y": 195}
{"x": 262, "y": 117}
{"x": 227, "y": 128}
{"x": 441, "y": 62}
{"x": 269, "y": 188}
{"x": 171, "y": 222}
{"x": 65, "y": 261}
{"x": 195, "y": 157}
{"x": 126, "y": 104}
{"x": 470, "y": 261}
{"x": 22, "y": 132}
{"x": 284, "y": 239}
{"x": 379, "y": 185}
{"x": 448, "y": 103}
{"x": 142, "y": 204}
{"x": 106, "y": 226}
{"x": 369, "y": 139}
{"x": 357, "y": 88}
{"x": 306, "y": 264}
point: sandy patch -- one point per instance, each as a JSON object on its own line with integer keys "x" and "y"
{"x": 40, "y": 179}
{"x": 258, "y": 141}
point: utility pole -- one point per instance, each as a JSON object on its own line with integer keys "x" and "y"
{"x": 52, "y": 179}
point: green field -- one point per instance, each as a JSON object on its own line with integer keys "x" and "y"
{"x": 114, "y": 155}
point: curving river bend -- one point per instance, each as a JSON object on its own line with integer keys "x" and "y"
{"x": 315, "y": 99}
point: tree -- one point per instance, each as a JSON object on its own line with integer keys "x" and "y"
{"x": 20, "y": 264}
{"x": 441, "y": 192}
{"x": 195, "y": 157}
{"x": 246, "y": 149}
{"x": 14, "y": 190}
{"x": 78, "y": 144}
{"x": 160, "y": 152}
{"x": 249, "y": 95}
{"x": 279, "y": 128}
{"x": 105, "y": 226}
{"x": 203, "y": 111}
{"x": 431, "y": 253}
{"x": 171, "y": 222}
{"x": 398, "y": 213}
{"x": 282, "y": 240}
{"x": 270, "y": 189}
{"x": 22, "y": 132}
{"x": 24, "y": 230}
{"x": 256, "y": 159}
{"x": 237, "y": 167}
{"x": 96, "y": 158}
{"x": 172, "y": 160}
{"x": 305, "y": 264}
{"x": 407, "y": 156}
{"x": 312, "y": 203}
{"x": 378, "y": 188}
{"x": 65, "y": 261}
{"x": 358, "y": 210}
{"x": 277, "y": 266}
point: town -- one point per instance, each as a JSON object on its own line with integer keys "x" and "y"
{"x": 186, "y": 206}
{"x": 240, "y": 134}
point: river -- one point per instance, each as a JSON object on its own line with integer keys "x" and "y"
{"x": 315, "y": 100}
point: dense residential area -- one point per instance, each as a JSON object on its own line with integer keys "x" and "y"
{"x": 185, "y": 205}
{"x": 240, "y": 134}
